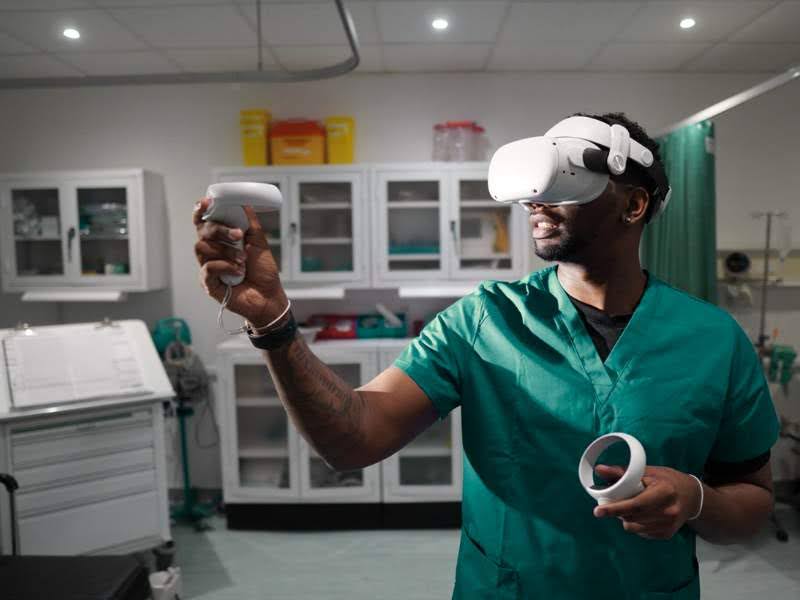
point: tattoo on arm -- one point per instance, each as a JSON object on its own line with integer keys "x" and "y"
{"x": 325, "y": 408}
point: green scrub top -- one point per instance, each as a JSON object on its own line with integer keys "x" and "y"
{"x": 683, "y": 378}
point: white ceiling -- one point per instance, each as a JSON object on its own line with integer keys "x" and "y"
{"x": 123, "y": 37}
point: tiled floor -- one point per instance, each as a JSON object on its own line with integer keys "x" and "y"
{"x": 416, "y": 565}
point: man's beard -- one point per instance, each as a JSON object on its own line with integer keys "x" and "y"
{"x": 566, "y": 250}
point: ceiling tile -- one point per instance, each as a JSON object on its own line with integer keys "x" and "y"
{"x": 625, "y": 56}
{"x": 43, "y": 4}
{"x": 405, "y": 22}
{"x": 34, "y": 65}
{"x": 295, "y": 58}
{"x": 10, "y": 45}
{"x": 153, "y": 3}
{"x": 435, "y": 57}
{"x": 566, "y": 21}
{"x": 221, "y": 59}
{"x": 543, "y": 56}
{"x": 99, "y": 32}
{"x": 189, "y": 27}
{"x": 747, "y": 58}
{"x": 781, "y": 24}
{"x": 659, "y": 21}
{"x": 313, "y": 23}
{"x": 119, "y": 63}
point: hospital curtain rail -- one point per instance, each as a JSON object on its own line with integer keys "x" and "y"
{"x": 680, "y": 246}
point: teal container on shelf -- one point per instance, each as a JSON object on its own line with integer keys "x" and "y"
{"x": 375, "y": 326}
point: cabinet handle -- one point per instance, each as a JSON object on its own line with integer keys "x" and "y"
{"x": 454, "y": 234}
{"x": 292, "y": 232}
{"x": 70, "y": 239}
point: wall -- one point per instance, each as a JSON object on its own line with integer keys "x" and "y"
{"x": 185, "y": 131}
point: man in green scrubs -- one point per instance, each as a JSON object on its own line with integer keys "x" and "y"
{"x": 540, "y": 368}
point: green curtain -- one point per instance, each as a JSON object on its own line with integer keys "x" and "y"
{"x": 680, "y": 247}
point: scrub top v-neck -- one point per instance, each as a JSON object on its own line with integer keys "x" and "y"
{"x": 534, "y": 392}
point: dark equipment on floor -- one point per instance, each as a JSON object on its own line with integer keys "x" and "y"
{"x": 67, "y": 577}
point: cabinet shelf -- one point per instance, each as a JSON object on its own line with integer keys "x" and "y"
{"x": 44, "y": 238}
{"x": 425, "y": 451}
{"x": 483, "y": 204}
{"x": 325, "y": 241}
{"x": 326, "y": 206}
{"x": 263, "y": 451}
{"x": 258, "y": 401}
{"x": 415, "y": 256}
{"x": 487, "y": 256}
{"x": 397, "y": 204}
{"x": 104, "y": 238}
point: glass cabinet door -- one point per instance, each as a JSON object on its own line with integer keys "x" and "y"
{"x": 264, "y": 435}
{"x": 104, "y": 230}
{"x": 38, "y": 232}
{"x": 483, "y": 231}
{"x": 428, "y": 459}
{"x": 412, "y": 227}
{"x": 323, "y": 228}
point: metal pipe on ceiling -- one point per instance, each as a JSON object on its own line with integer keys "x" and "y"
{"x": 723, "y": 106}
{"x": 257, "y": 76}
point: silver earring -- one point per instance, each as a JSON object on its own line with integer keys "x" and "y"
{"x": 627, "y": 220}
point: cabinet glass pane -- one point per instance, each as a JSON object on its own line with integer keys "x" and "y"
{"x": 103, "y": 221}
{"x": 326, "y": 226}
{"x": 426, "y": 470}
{"x": 253, "y": 381}
{"x": 37, "y": 231}
{"x": 427, "y": 460}
{"x": 263, "y": 433}
{"x": 413, "y": 223}
{"x": 271, "y": 224}
{"x": 320, "y": 474}
{"x": 485, "y": 225}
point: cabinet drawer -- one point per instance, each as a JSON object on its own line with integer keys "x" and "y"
{"x": 85, "y": 469}
{"x": 91, "y": 528}
{"x": 80, "y": 439}
{"x": 70, "y": 496}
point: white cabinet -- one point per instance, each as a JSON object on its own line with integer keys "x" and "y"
{"x": 90, "y": 482}
{"x": 320, "y": 234}
{"x": 429, "y": 468}
{"x": 265, "y": 460}
{"x": 85, "y": 229}
{"x": 436, "y": 221}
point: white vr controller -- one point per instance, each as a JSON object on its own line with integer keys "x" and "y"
{"x": 227, "y": 200}
{"x": 627, "y": 486}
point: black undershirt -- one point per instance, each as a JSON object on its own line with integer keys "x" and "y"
{"x": 605, "y": 330}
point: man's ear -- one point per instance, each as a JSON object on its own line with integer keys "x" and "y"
{"x": 636, "y": 202}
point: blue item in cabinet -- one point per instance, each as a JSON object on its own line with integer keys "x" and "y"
{"x": 375, "y": 326}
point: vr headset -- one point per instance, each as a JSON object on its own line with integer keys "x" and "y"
{"x": 572, "y": 164}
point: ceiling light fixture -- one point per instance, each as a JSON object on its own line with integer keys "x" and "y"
{"x": 72, "y": 33}
{"x": 688, "y": 23}
{"x": 440, "y": 24}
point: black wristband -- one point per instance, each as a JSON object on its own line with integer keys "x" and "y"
{"x": 276, "y": 338}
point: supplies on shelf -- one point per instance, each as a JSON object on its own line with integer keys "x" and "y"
{"x": 340, "y": 132}
{"x": 460, "y": 141}
{"x": 295, "y": 141}
{"x": 253, "y": 130}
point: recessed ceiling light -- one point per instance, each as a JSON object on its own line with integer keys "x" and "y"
{"x": 440, "y": 24}
{"x": 71, "y": 33}
{"x": 688, "y": 23}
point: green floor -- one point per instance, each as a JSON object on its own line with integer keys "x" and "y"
{"x": 416, "y": 565}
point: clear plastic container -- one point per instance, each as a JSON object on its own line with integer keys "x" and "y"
{"x": 480, "y": 143}
{"x": 460, "y": 140}
{"x": 440, "y": 142}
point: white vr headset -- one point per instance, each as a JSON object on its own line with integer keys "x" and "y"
{"x": 571, "y": 164}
